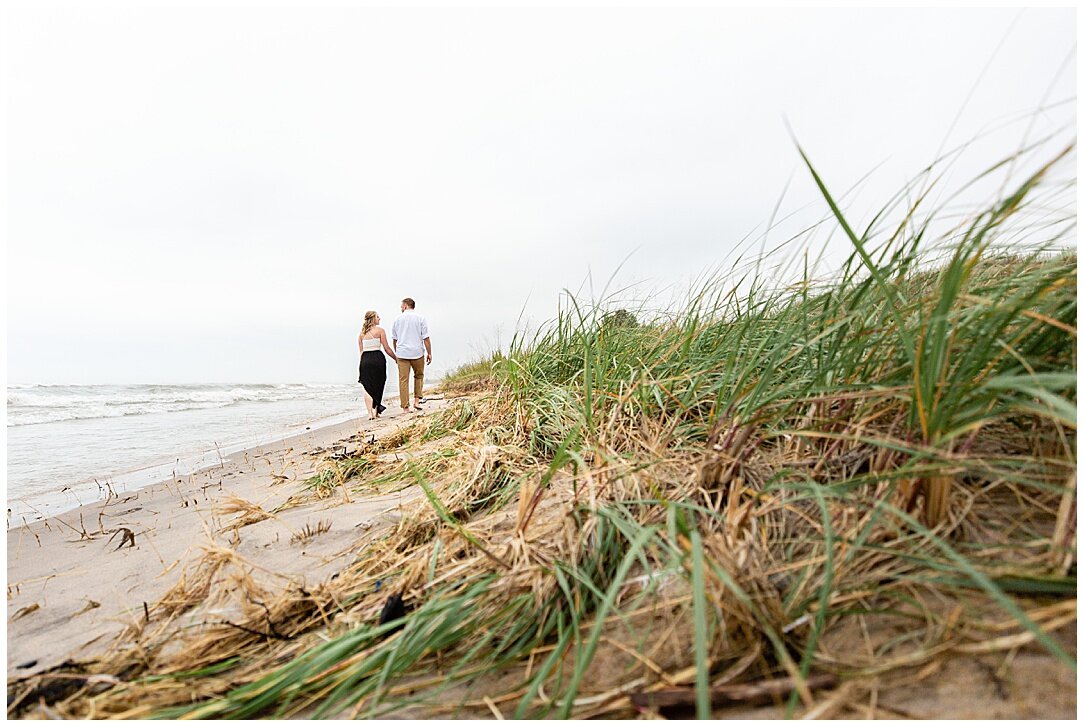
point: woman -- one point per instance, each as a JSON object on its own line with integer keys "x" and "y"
{"x": 373, "y": 371}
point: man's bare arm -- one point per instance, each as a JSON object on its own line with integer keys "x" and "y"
{"x": 428, "y": 350}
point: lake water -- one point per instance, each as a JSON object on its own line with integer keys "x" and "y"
{"x": 61, "y": 438}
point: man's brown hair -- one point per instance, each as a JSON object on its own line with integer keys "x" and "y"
{"x": 409, "y": 302}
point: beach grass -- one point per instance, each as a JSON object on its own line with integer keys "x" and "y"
{"x": 755, "y": 495}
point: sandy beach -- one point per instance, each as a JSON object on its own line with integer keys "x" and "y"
{"x": 77, "y": 580}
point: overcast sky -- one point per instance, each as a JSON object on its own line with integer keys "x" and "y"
{"x": 219, "y": 194}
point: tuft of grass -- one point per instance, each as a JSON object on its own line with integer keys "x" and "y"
{"x": 308, "y": 532}
{"x": 472, "y": 377}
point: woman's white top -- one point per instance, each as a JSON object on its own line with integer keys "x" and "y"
{"x": 370, "y": 344}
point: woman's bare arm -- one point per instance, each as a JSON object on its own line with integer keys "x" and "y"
{"x": 384, "y": 342}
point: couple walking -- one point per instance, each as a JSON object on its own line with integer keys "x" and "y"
{"x": 409, "y": 348}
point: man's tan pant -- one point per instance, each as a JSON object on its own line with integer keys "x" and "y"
{"x": 405, "y": 365}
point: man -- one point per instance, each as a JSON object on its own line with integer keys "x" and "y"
{"x": 410, "y": 341}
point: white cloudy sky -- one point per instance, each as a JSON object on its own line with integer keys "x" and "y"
{"x": 219, "y": 194}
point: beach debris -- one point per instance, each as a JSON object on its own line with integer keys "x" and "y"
{"x": 126, "y": 512}
{"x": 48, "y": 690}
{"x": 91, "y": 605}
{"x": 106, "y": 489}
{"x": 309, "y": 532}
{"x": 81, "y": 531}
{"x": 393, "y": 609}
{"x": 57, "y": 684}
{"x": 126, "y": 536}
{"x": 221, "y": 460}
{"x": 83, "y": 528}
{"x": 346, "y": 453}
{"x": 27, "y": 664}
{"x": 26, "y": 611}
{"x": 248, "y": 512}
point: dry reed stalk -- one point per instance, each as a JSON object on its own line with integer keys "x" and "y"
{"x": 248, "y": 513}
{"x": 1063, "y": 542}
{"x": 936, "y": 490}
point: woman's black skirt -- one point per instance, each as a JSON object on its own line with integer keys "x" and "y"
{"x": 373, "y": 374}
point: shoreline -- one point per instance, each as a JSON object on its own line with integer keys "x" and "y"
{"x": 63, "y": 498}
{"x": 72, "y": 586}
{"x": 60, "y": 502}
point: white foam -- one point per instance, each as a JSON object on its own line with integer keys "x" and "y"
{"x": 43, "y": 404}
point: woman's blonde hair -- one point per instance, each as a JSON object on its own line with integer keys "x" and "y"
{"x": 370, "y": 321}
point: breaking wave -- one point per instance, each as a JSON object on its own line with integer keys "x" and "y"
{"x": 45, "y": 403}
